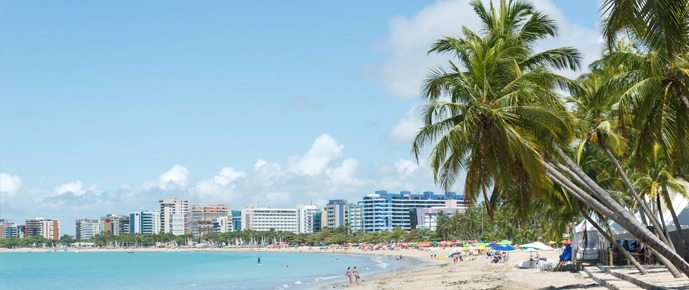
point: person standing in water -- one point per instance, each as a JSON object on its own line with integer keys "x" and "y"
{"x": 259, "y": 260}
{"x": 349, "y": 275}
{"x": 356, "y": 275}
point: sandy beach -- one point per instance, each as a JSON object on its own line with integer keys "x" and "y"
{"x": 422, "y": 271}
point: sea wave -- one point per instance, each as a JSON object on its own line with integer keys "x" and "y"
{"x": 379, "y": 261}
{"x": 318, "y": 279}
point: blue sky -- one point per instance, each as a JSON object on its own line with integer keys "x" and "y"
{"x": 106, "y": 107}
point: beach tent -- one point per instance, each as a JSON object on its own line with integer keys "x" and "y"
{"x": 537, "y": 246}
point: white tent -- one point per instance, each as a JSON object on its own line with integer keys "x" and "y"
{"x": 537, "y": 246}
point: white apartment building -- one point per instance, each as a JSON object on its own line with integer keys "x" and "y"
{"x": 297, "y": 220}
{"x": 174, "y": 216}
{"x": 87, "y": 228}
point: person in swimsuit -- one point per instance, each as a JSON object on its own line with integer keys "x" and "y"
{"x": 349, "y": 275}
{"x": 356, "y": 275}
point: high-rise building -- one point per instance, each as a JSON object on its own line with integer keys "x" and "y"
{"x": 427, "y": 218}
{"x": 114, "y": 224}
{"x": 145, "y": 222}
{"x": 4, "y": 224}
{"x": 15, "y": 231}
{"x": 49, "y": 229}
{"x": 236, "y": 220}
{"x": 202, "y": 217}
{"x": 317, "y": 221}
{"x": 297, "y": 220}
{"x": 355, "y": 217}
{"x": 222, "y": 224}
{"x": 87, "y": 228}
{"x": 306, "y": 218}
{"x": 385, "y": 211}
{"x": 336, "y": 210}
{"x": 174, "y": 216}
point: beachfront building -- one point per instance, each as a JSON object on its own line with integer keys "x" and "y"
{"x": 384, "y": 211}
{"x": 145, "y": 222}
{"x": 47, "y": 228}
{"x": 202, "y": 217}
{"x": 355, "y": 217}
{"x": 427, "y": 218}
{"x": 114, "y": 224}
{"x": 236, "y": 220}
{"x": 87, "y": 228}
{"x": 306, "y": 218}
{"x": 173, "y": 216}
{"x": 14, "y": 231}
{"x": 297, "y": 220}
{"x": 222, "y": 224}
{"x": 336, "y": 212}
{"x": 317, "y": 220}
{"x": 4, "y": 224}
{"x": 340, "y": 213}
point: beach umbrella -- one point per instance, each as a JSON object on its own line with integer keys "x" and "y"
{"x": 481, "y": 247}
{"x": 551, "y": 242}
{"x": 506, "y": 248}
{"x": 493, "y": 245}
{"x": 505, "y": 242}
{"x": 434, "y": 243}
{"x": 530, "y": 250}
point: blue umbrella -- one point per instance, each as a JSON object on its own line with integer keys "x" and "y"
{"x": 506, "y": 248}
{"x": 494, "y": 245}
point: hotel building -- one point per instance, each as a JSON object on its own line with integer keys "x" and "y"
{"x": 49, "y": 229}
{"x": 86, "y": 229}
{"x": 145, "y": 222}
{"x": 340, "y": 213}
{"x": 114, "y": 224}
{"x": 384, "y": 211}
{"x": 297, "y": 220}
{"x": 427, "y": 218}
{"x": 173, "y": 216}
{"x": 202, "y": 217}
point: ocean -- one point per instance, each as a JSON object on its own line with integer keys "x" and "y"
{"x": 182, "y": 270}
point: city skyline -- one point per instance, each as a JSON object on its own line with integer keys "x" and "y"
{"x": 107, "y": 107}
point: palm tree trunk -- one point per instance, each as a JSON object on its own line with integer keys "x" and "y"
{"x": 622, "y": 250}
{"x": 631, "y": 188}
{"x": 675, "y": 220}
{"x": 662, "y": 220}
{"x": 579, "y": 175}
{"x": 667, "y": 257}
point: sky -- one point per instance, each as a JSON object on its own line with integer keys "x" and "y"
{"x": 110, "y": 106}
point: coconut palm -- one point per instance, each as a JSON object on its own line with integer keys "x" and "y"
{"x": 480, "y": 108}
{"x": 494, "y": 112}
{"x": 657, "y": 183}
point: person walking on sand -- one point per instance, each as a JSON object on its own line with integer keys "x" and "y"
{"x": 356, "y": 275}
{"x": 349, "y": 275}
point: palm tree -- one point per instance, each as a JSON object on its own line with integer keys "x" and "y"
{"x": 498, "y": 89}
{"x": 657, "y": 182}
{"x": 494, "y": 112}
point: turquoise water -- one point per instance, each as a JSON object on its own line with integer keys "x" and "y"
{"x": 181, "y": 270}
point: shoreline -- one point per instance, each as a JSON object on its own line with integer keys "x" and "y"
{"x": 420, "y": 270}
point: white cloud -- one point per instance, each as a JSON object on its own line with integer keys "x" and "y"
{"x": 406, "y": 168}
{"x": 10, "y": 184}
{"x": 323, "y": 151}
{"x": 178, "y": 175}
{"x": 220, "y": 187}
{"x": 75, "y": 187}
{"x": 345, "y": 174}
{"x": 405, "y": 130}
{"x": 410, "y": 39}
